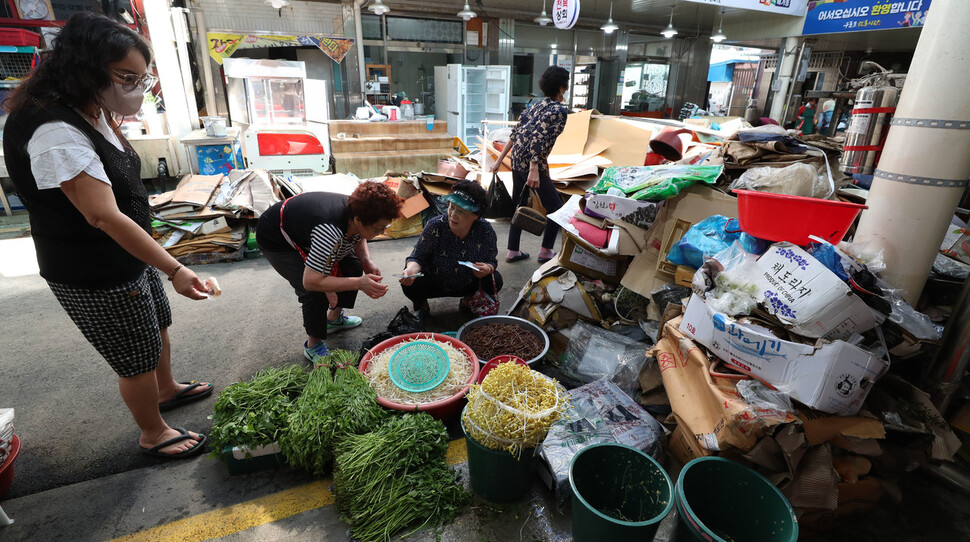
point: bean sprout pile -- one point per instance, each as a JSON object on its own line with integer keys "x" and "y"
{"x": 458, "y": 375}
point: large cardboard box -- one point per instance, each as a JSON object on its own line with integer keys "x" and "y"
{"x": 650, "y": 269}
{"x": 577, "y": 255}
{"x": 802, "y": 292}
{"x": 833, "y": 377}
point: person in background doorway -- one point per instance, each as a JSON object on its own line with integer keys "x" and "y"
{"x": 80, "y": 180}
{"x": 825, "y": 116}
{"x": 317, "y": 241}
{"x": 460, "y": 235}
{"x": 807, "y": 115}
{"x": 530, "y": 143}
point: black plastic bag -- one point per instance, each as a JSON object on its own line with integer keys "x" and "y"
{"x": 405, "y": 322}
{"x": 499, "y": 201}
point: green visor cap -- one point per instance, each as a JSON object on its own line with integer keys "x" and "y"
{"x": 463, "y": 200}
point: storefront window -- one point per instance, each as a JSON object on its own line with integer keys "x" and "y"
{"x": 644, "y": 87}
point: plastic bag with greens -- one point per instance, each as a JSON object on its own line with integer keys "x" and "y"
{"x": 655, "y": 183}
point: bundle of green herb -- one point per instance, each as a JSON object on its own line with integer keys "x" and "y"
{"x": 332, "y": 405}
{"x": 396, "y": 477}
{"x": 251, "y": 414}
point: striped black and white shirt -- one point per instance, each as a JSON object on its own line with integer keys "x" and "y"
{"x": 316, "y": 222}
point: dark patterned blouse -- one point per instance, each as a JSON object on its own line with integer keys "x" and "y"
{"x": 439, "y": 250}
{"x": 536, "y": 133}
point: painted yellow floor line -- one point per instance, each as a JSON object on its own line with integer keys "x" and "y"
{"x": 249, "y": 514}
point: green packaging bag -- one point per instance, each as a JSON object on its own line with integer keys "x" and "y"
{"x": 655, "y": 183}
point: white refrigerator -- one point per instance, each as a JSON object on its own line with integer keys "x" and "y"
{"x": 467, "y": 95}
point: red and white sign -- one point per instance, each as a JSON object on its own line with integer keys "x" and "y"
{"x": 565, "y": 13}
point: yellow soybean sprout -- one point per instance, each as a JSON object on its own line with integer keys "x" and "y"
{"x": 513, "y": 408}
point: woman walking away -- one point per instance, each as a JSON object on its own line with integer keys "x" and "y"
{"x": 530, "y": 143}
{"x": 317, "y": 241}
{"x": 80, "y": 180}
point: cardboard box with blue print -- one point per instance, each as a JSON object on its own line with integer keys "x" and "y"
{"x": 805, "y": 295}
{"x": 831, "y": 376}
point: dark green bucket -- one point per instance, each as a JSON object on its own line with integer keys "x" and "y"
{"x": 619, "y": 493}
{"x": 496, "y": 475}
{"x": 720, "y": 500}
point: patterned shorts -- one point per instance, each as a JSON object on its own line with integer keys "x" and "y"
{"x": 121, "y": 322}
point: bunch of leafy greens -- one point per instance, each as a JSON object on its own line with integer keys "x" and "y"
{"x": 396, "y": 477}
{"x": 337, "y": 401}
{"x": 254, "y": 413}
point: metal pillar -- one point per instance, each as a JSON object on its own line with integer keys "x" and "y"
{"x": 925, "y": 165}
{"x": 785, "y": 75}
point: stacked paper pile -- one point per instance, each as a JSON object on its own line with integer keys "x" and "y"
{"x": 199, "y": 216}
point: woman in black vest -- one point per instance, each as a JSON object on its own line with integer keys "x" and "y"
{"x": 80, "y": 180}
{"x": 317, "y": 241}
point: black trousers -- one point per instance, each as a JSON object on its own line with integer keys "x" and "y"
{"x": 426, "y": 287}
{"x": 290, "y": 266}
{"x": 550, "y": 200}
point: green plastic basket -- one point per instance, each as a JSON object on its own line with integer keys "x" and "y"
{"x": 419, "y": 366}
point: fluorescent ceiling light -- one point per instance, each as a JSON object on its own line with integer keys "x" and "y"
{"x": 610, "y": 26}
{"x": 670, "y": 31}
{"x": 379, "y": 8}
{"x": 543, "y": 19}
{"x": 719, "y": 36}
{"x": 466, "y": 13}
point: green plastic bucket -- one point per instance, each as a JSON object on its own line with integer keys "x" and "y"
{"x": 720, "y": 500}
{"x": 619, "y": 493}
{"x": 496, "y": 475}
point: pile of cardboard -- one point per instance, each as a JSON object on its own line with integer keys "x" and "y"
{"x": 205, "y": 214}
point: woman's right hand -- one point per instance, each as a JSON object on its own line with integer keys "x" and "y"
{"x": 187, "y": 283}
{"x": 495, "y": 167}
{"x": 412, "y": 268}
{"x": 533, "y": 179}
{"x": 371, "y": 285}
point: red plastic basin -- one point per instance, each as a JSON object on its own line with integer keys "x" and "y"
{"x": 778, "y": 217}
{"x": 445, "y": 409}
{"x": 494, "y": 362}
{"x": 6, "y": 469}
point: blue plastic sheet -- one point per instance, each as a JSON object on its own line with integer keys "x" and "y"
{"x": 710, "y": 236}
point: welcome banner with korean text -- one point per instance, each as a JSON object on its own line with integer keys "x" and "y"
{"x": 828, "y": 16}
{"x": 784, "y": 7}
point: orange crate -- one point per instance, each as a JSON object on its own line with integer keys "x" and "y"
{"x": 17, "y": 36}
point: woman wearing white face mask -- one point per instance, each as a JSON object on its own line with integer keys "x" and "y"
{"x": 80, "y": 180}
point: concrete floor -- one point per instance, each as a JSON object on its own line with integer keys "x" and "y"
{"x": 80, "y": 476}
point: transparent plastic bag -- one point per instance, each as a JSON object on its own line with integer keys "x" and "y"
{"x": 594, "y": 353}
{"x": 735, "y": 287}
{"x": 598, "y": 412}
{"x": 799, "y": 179}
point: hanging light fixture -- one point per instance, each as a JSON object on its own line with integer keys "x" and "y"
{"x": 543, "y": 19}
{"x": 379, "y": 8}
{"x": 466, "y": 13}
{"x": 719, "y": 36}
{"x": 670, "y": 31}
{"x": 610, "y": 26}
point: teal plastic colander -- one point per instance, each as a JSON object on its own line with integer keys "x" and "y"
{"x": 419, "y": 366}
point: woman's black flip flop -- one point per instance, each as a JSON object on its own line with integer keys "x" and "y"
{"x": 519, "y": 258}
